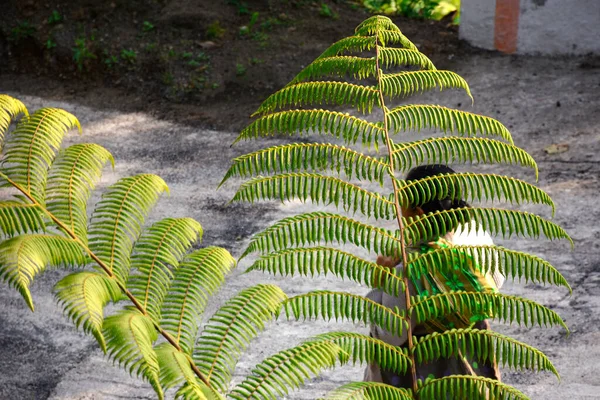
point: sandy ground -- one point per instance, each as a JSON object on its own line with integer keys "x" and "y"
{"x": 543, "y": 101}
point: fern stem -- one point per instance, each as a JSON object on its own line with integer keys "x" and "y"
{"x": 110, "y": 274}
{"x": 391, "y": 171}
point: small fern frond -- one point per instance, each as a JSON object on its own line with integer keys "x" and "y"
{"x": 71, "y": 179}
{"x": 483, "y": 345}
{"x": 352, "y": 44}
{"x": 308, "y": 156}
{"x": 10, "y": 108}
{"x": 493, "y": 220}
{"x": 344, "y": 306}
{"x": 194, "y": 391}
{"x": 129, "y": 338}
{"x": 414, "y": 117}
{"x": 386, "y": 31}
{"x": 471, "y": 187}
{"x": 317, "y": 188}
{"x": 315, "y": 261}
{"x": 290, "y": 368}
{"x": 159, "y": 248}
{"x": 408, "y": 83}
{"x": 468, "y": 387}
{"x": 450, "y": 150}
{"x": 339, "y": 66}
{"x": 198, "y": 276}
{"x": 387, "y": 37}
{"x": 83, "y": 296}
{"x": 510, "y": 263}
{"x": 368, "y": 391}
{"x": 317, "y": 227}
{"x": 393, "y": 57}
{"x": 30, "y": 149}
{"x": 18, "y": 218}
{"x": 505, "y": 308}
{"x": 375, "y": 23}
{"x": 118, "y": 219}
{"x": 230, "y": 330}
{"x": 25, "y": 256}
{"x": 324, "y": 92}
{"x": 337, "y": 124}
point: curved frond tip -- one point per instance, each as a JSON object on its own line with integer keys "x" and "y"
{"x": 468, "y": 387}
{"x": 368, "y": 391}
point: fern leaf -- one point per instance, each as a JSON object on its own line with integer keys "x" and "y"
{"x": 83, "y": 296}
{"x": 387, "y": 37}
{"x": 199, "y": 275}
{"x": 10, "y": 108}
{"x": 23, "y": 257}
{"x": 32, "y": 146}
{"x": 18, "y": 218}
{"x": 393, "y": 57}
{"x": 118, "y": 219}
{"x": 365, "y": 349}
{"x": 345, "y": 306}
{"x": 329, "y": 92}
{"x": 450, "y": 150}
{"x": 509, "y": 263}
{"x": 71, "y": 179}
{"x": 308, "y": 156}
{"x": 468, "y": 387}
{"x": 408, "y": 83}
{"x": 484, "y": 345}
{"x": 230, "y": 330}
{"x": 323, "y": 122}
{"x": 493, "y": 220}
{"x": 290, "y": 368}
{"x": 505, "y": 308}
{"x": 318, "y": 188}
{"x": 312, "y": 261}
{"x": 313, "y": 228}
{"x": 352, "y": 44}
{"x": 473, "y": 187}
{"x": 340, "y": 66}
{"x": 129, "y": 338}
{"x": 385, "y": 31}
{"x": 193, "y": 391}
{"x": 376, "y": 22}
{"x": 160, "y": 247}
{"x": 415, "y": 117}
{"x": 368, "y": 391}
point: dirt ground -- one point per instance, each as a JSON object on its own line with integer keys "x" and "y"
{"x": 543, "y": 101}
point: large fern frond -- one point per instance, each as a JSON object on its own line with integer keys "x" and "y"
{"x": 25, "y": 256}
{"x": 230, "y": 330}
{"x": 408, "y": 83}
{"x": 468, "y": 387}
{"x": 368, "y": 391}
{"x": 10, "y": 108}
{"x": 356, "y": 67}
{"x": 83, "y": 296}
{"x": 71, "y": 179}
{"x": 18, "y": 218}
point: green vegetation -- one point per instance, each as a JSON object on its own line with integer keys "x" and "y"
{"x": 429, "y": 9}
{"x": 23, "y": 30}
{"x": 148, "y": 26}
{"x": 55, "y": 18}
{"x": 215, "y": 31}
{"x": 82, "y": 53}
{"x": 129, "y": 56}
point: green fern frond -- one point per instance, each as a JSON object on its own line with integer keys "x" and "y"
{"x": 308, "y": 156}
{"x": 18, "y": 218}
{"x": 408, "y": 83}
{"x": 314, "y": 261}
{"x": 352, "y": 44}
{"x": 483, "y": 345}
{"x": 83, "y": 296}
{"x": 510, "y": 263}
{"x": 366, "y": 349}
{"x": 71, "y": 179}
{"x": 385, "y": 31}
{"x": 468, "y": 387}
{"x": 393, "y": 57}
{"x": 30, "y": 149}
{"x": 290, "y": 368}
{"x": 193, "y": 391}
{"x": 368, "y": 391}
{"x": 10, "y": 108}
{"x": 414, "y": 117}
{"x": 129, "y": 338}
{"x": 494, "y": 220}
{"x": 199, "y": 275}
{"x": 323, "y": 122}
{"x": 318, "y": 188}
{"x": 387, "y": 37}
{"x": 118, "y": 219}
{"x": 505, "y": 308}
{"x": 344, "y": 306}
{"x": 323, "y": 92}
{"x": 450, "y": 150}
{"x": 159, "y": 248}
{"x": 316, "y": 227}
{"x": 471, "y": 187}
{"x": 230, "y": 330}
{"x": 23, "y": 257}
{"x": 375, "y": 23}
{"x": 339, "y": 66}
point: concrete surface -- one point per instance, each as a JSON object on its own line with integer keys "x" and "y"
{"x": 542, "y": 26}
{"x": 543, "y": 101}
